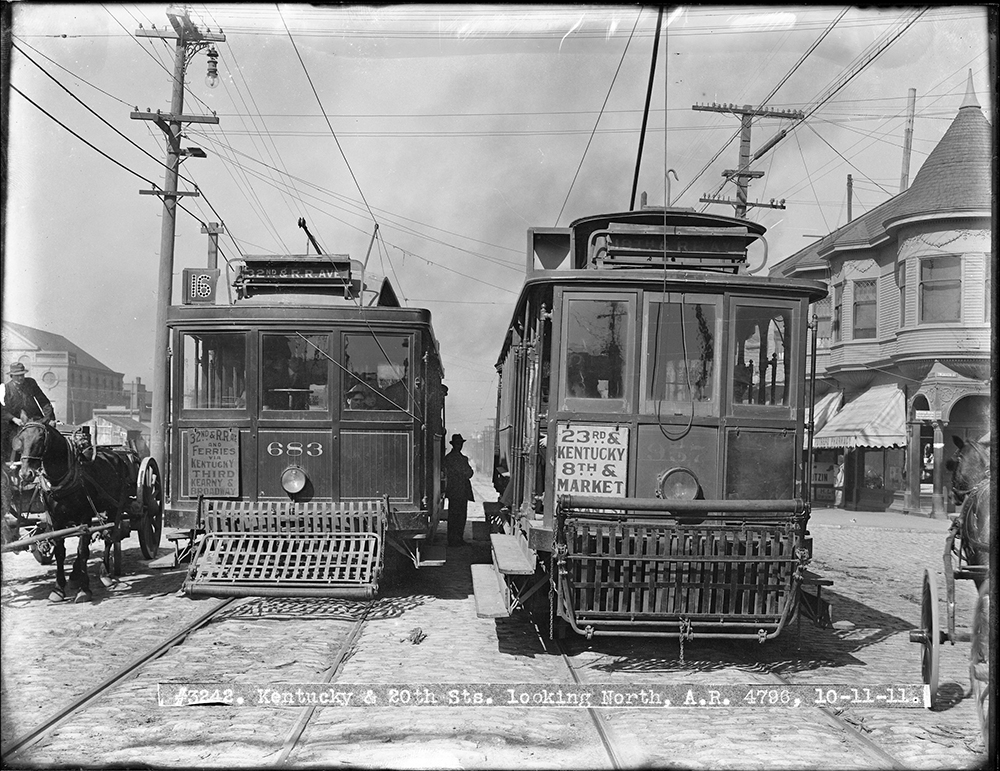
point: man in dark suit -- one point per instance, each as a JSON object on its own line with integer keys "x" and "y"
{"x": 458, "y": 490}
{"x": 22, "y": 401}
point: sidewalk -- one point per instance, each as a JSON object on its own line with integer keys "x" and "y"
{"x": 820, "y": 517}
{"x": 881, "y": 520}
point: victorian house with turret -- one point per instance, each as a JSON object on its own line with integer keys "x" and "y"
{"x": 904, "y": 353}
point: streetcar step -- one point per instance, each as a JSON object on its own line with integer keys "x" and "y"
{"x": 509, "y": 555}
{"x": 430, "y": 555}
{"x": 490, "y": 591}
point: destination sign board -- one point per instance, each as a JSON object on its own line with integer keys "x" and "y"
{"x": 212, "y": 462}
{"x": 591, "y": 459}
{"x": 922, "y": 415}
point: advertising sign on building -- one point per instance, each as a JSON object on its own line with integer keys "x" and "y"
{"x": 591, "y": 459}
{"x": 212, "y": 462}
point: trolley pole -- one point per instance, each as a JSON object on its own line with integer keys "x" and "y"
{"x": 188, "y": 38}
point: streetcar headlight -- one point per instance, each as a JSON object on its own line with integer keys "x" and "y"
{"x": 679, "y": 484}
{"x": 293, "y": 480}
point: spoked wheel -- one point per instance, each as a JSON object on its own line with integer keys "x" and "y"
{"x": 930, "y": 627}
{"x": 149, "y": 497}
{"x": 42, "y": 551}
{"x": 979, "y": 664}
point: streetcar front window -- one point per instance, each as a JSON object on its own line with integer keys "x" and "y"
{"x": 763, "y": 339}
{"x": 598, "y": 352}
{"x": 681, "y": 343}
{"x": 294, "y": 372}
{"x": 377, "y": 373}
{"x": 214, "y": 371}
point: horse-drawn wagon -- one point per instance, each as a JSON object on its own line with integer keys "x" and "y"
{"x": 968, "y": 547}
{"x": 61, "y": 486}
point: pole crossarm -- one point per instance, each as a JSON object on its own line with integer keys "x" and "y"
{"x": 743, "y": 174}
{"x": 167, "y": 117}
{"x": 749, "y": 109}
{"x": 748, "y": 204}
{"x": 195, "y": 36}
{"x": 170, "y": 193}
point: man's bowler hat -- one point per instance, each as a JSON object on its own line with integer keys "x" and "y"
{"x": 457, "y": 439}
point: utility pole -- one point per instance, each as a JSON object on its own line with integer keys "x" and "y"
{"x": 189, "y": 40}
{"x": 742, "y": 174}
{"x": 904, "y": 176}
{"x": 213, "y": 229}
{"x": 850, "y": 197}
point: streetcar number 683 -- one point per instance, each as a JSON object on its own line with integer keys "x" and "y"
{"x": 295, "y": 448}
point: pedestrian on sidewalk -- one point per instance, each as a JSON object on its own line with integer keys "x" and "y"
{"x": 457, "y": 489}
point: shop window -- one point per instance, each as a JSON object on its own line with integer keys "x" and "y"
{"x": 865, "y": 312}
{"x": 838, "y": 303}
{"x": 940, "y": 289}
{"x": 214, "y": 371}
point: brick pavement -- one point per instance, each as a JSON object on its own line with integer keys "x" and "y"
{"x": 877, "y": 570}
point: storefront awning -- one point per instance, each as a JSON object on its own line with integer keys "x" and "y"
{"x": 877, "y": 418}
{"x": 826, "y": 407}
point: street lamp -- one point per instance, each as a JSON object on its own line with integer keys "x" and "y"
{"x": 212, "y": 78}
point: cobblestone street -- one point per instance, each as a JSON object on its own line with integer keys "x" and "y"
{"x": 53, "y": 651}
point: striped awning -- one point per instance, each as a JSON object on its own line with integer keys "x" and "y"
{"x": 826, "y": 407}
{"x": 877, "y": 418}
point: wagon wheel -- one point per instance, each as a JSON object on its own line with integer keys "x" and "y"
{"x": 113, "y": 549}
{"x": 979, "y": 664}
{"x": 149, "y": 498}
{"x": 930, "y": 627}
{"x": 42, "y": 551}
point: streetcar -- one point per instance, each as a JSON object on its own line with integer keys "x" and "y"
{"x": 306, "y": 430}
{"x": 651, "y": 419}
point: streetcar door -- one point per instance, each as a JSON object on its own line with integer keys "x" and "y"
{"x": 294, "y": 437}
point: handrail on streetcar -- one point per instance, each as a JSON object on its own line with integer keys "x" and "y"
{"x": 666, "y": 505}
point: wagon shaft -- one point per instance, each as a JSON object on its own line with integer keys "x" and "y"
{"x": 289, "y": 550}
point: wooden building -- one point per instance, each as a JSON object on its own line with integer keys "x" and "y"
{"x": 904, "y": 348}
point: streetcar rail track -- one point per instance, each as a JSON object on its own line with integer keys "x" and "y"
{"x": 292, "y": 739}
{"x": 870, "y": 747}
{"x": 41, "y": 730}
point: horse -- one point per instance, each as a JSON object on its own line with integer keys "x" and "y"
{"x": 76, "y": 486}
{"x": 970, "y": 485}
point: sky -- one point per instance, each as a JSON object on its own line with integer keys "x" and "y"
{"x": 455, "y": 129}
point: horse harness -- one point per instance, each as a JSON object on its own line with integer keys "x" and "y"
{"x": 72, "y": 481}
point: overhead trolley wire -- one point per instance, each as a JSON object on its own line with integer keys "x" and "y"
{"x": 794, "y": 68}
{"x": 128, "y": 139}
{"x": 594, "y": 131}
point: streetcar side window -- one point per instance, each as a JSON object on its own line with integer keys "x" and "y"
{"x": 294, "y": 372}
{"x": 762, "y": 355}
{"x": 376, "y": 373}
{"x": 597, "y": 353}
{"x": 214, "y": 371}
{"x": 681, "y": 344}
